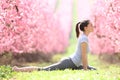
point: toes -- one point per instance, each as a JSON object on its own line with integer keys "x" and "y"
{"x": 15, "y": 68}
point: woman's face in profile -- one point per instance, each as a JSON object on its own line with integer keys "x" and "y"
{"x": 90, "y": 27}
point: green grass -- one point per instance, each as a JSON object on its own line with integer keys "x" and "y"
{"x": 105, "y": 72}
{"x": 6, "y": 72}
{"x": 109, "y": 74}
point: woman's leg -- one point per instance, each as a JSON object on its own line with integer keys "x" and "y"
{"x": 63, "y": 64}
{"x": 25, "y": 69}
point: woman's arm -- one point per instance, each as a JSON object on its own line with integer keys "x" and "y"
{"x": 84, "y": 55}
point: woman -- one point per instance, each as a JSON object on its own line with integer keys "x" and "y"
{"x": 78, "y": 60}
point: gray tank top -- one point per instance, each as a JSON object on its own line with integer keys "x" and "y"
{"x": 76, "y": 57}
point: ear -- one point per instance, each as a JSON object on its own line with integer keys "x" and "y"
{"x": 85, "y": 28}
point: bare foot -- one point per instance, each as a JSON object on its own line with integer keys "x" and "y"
{"x": 15, "y": 68}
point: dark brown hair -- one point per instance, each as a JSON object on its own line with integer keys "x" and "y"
{"x": 81, "y": 26}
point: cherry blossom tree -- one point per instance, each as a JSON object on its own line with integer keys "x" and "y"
{"x": 28, "y": 26}
{"x": 106, "y": 36}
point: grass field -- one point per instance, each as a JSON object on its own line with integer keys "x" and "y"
{"x": 104, "y": 71}
{"x": 107, "y": 74}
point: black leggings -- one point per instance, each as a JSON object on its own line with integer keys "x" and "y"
{"x": 63, "y": 64}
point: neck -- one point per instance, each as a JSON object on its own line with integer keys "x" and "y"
{"x": 86, "y": 33}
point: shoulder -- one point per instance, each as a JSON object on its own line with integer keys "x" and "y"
{"x": 83, "y": 38}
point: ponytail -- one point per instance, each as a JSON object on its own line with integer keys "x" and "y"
{"x": 81, "y": 26}
{"x": 77, "y": 29}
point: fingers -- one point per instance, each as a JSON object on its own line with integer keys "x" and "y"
{"x": 91, "y": 68}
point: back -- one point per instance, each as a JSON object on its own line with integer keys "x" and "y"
{"x": 76, "y": 57}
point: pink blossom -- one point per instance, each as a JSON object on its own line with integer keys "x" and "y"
{"x": 34, "y": 26}
{"x": 106, "y": 15}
